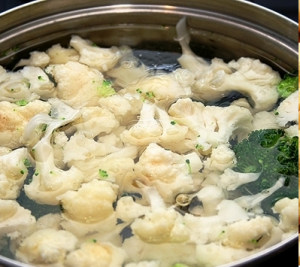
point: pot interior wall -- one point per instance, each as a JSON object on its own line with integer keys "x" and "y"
{"x": 152, "y": 27}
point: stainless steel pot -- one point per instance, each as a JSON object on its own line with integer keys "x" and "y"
{"x": 220, "y": 28}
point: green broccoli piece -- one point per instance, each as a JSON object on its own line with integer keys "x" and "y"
{"x": 287, "y": 86}
{"x": 180, "y": 265}
{"x": 103, "y": 173}
{"x": 273, "y": 154}
{"x": 106, "y": 89}
{"x": 22, "y": 103}
{"x": 269, "y": 151}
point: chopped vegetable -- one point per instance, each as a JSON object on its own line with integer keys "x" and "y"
{"x": 288, "y": 85}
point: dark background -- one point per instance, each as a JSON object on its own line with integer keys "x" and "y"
{"x": 288, "y": 8}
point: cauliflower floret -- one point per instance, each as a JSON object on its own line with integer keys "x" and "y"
{"x": 13, "y": 172}
{"x": 204, "y": 229}
{"x": 231, "y": 180}
{"x": 249, "y": 234}
{"x": 214, "y": 254}
{"x": 49, "y": 181}
{"x": 80, "y": 148}
{"x": 113, "y": 138}
{"x": 94, "y": 121}
{"x": 248, "y": 76}
{"x": 163, "y": 88}
{"x": 4, "y": 150}
{"x": 221, "y": 158}
{"x": 169, "y": 172}
{"x": 50, "y": 220}
{"x": 161, "y": 226}
{"x": 188, "y": 59}
{"x": 288, "y": 110}
{"x": 210, "y": 196}
{"x": 14, "y": 87}
{"x": 160, "y": 230}
{"x": 97, "y": 255}
{"x": 211, "y": 125}
{"x": 36, "y": 59}
{"x": 229, "y": 211}
{"x": 61, "y": 55}
{"x": 13, "y": 119}
{"x": 13, "y": 217}
{"x": 125, "y": 109}
{"x": 60, "y": 139}
{"x": 77, "y": 84}
{"x": 156, "y": 126}
{"x": 27, "y": 84}
{"x": 264, "y": 120}
{"x": 292, "y": 130}
{"x": 286, "y": 208}
{"x": 112, "y": 167}
{"x": 249, "y": 202}
{"x": 46, "y": 246}
{"x": 90, "y": 209}
{"x": 102, "y": 59}
{"x": 147, "y": 130}
{"x": 39, "y": 81}
{"x": 127, "y": 209}
{"x": 166, "y": 253}
{"x": 172, "y": 133}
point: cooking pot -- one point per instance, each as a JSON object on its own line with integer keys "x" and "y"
{"x": 227, "y": 29}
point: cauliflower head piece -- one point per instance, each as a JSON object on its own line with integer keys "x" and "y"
{"x": 288, "y": 219}
{"x": 94, "y": 56}
{"x": 13, "y": 172}
{"x": 211, "y": 125}
{"x": 249, "y": 234}
{"x": 169, "y": 172}
{"x": 90, "y": 209}
{"x": 14, "y": 218}
{"x": 94, "y": 121}
{"x": 164, "y": 226}
{"x": 97, "y": 255}
{"x": 60, "y": 55}
{"x": 14, "y": 118}
{"x": 287, "y": 111}
{"x": 79, "y": 85}
{"x": 36, "y": 59}
{"x": 46, "y": 246}
{"x": 163, "y": 88}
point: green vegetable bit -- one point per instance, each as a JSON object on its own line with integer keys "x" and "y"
{"x": 150, "y": 94}
{"x": 180, "y": 265}
{"x": 22, "y": 102}
{"x": 103, "y": 173}
{"x": 27, "y": 163}
{"x": 189, "y": 165}
{"x": 106, "y": 89}
{"x": 287, "y": 86}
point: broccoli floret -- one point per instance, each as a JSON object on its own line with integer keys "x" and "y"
{"x": 269, "y": 151}
{"x": 287, "y": 86}
{"x": 273, "y": 154}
